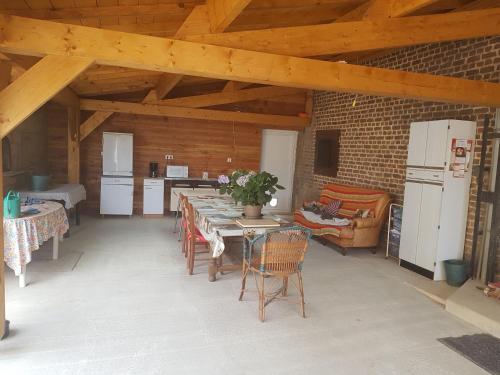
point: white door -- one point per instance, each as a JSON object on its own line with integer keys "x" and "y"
{"x": 410, "y": 224}
{"x": 437, "y": 144}
{"x": 417, "y": 144}
{"x": 430, "y": 213}
{"x": 278, "y": 158}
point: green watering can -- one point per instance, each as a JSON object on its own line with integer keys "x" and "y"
{"x": 12, "y": 205}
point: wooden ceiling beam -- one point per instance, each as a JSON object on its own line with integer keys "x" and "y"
{"x": 272, "y": 121}
{"x": 235, "y": 86}
{"x": 223, "y": 12}
{"x": 384, "y": 9}
{"x": 37, "y": 86}
{"x": 196, "y": 22}
{"x": 37, "y": 37}
{"x": 478, "y": 4}
{"x": 93, "y": 122}
{"x": 166, "y": 83}
{"x": 101, "y": 11}
{"x": 208, "y": 100}
{"x": 66, "y": 97}
{"x": 344, "y": 37}
{"x": 459, "y": 7}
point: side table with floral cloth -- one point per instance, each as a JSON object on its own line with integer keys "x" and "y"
{"x": 27, "y": 233}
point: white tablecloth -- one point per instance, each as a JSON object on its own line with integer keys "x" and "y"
{"x": 24, "y": 235}
{"x": 71, "y": 194}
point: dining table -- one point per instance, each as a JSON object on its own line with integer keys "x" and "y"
{"x": 23, "y": 235}
{"x": 70, "y": 194}
{"x": 216, "y": 218}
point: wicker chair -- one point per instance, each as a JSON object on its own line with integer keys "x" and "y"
{"x": 279, "y": 254}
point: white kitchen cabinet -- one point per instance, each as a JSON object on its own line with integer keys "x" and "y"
{"x": 153, "y": 203}
{"x": 410, "y": 223}
{"x": 117, "y": 154}
{"x": 436, "y": 198}
{"x": 428, "y": 231}
{"x": 418, "y": 143}
{"x": 117, "y": 195}
{"x": 437, "y": 136}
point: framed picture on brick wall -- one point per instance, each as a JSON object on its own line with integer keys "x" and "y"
{"x": 326, "y": 159}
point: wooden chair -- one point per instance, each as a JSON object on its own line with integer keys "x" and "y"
{"x": 279, "y": 254}
{"x": 183, "y": 202}
{"x": 194, "y": 242}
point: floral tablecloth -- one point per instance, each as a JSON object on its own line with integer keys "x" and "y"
{"x": 215, "y": 219}
{"x": 26, "y": 234}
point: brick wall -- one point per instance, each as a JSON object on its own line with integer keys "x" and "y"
{"x": 375, "y": 133}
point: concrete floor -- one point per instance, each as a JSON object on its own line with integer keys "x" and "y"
{"x": 118, "y": 301}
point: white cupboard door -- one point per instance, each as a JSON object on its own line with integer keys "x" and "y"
{"x": 124, "y": 161}
{"x": 437, "y": 144}
{"x": 430, "y": 213}
{"x": 116, "y": 199}
{"x": 109, "y": 154}
{"x": 153, "y": 200}
{"x": 418, "y": 144}
{"x": 410, "y": 225}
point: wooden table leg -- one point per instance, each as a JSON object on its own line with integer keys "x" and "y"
{"x": 55, "y": 247}
{"x": 22, "y": 277}
{"x": 77, "y": 213}
{"x": 212, "y": 269}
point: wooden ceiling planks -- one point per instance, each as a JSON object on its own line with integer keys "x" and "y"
{"x": 164, "y": 17}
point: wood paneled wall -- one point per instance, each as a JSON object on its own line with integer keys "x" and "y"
{"x": 57, "y": 120}
{"x": 28, "y": 152}
{"x": 202, "y": 145}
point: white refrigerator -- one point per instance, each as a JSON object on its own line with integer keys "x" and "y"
{"x": 117, "y": 181}
{"x": 436, "y": 195}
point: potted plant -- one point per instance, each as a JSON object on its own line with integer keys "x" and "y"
{"x": 253, "y": 190}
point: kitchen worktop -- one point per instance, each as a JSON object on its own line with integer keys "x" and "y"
{"x": 180, "y": 179}
{"x": 189, "y": 179}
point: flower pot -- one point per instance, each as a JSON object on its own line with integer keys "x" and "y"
{"x": 252, "y": 212}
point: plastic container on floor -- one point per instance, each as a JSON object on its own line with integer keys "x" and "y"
{"x": 40, "y": 183}
{"x": 456, "y": 272}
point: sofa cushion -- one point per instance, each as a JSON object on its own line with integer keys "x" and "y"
{"x": 353, "y": 198}
{"x": 331, "y": 209}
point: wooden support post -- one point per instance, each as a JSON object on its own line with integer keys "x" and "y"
{"x": 4, "y": 82}
{"x": 73, "y": 145}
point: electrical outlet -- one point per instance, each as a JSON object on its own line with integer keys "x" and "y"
{"x": 169, "y": 157}
{"x": 229, "y": 160}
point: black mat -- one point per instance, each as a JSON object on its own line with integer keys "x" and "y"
{"x": 482, "y": 349}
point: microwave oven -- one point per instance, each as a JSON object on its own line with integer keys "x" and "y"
{"x": 176, "y": 171}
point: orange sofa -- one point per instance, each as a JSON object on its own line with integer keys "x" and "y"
{"x": 361, "y": 232}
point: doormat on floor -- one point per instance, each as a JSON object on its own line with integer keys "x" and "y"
{"x": 482, "y": 349}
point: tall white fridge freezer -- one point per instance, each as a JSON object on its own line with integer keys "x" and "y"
{"x": 438, "y": 175}
{"x": 117, "y": 181}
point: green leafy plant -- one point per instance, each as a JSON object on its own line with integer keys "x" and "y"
{"x": 249, "y": 187}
